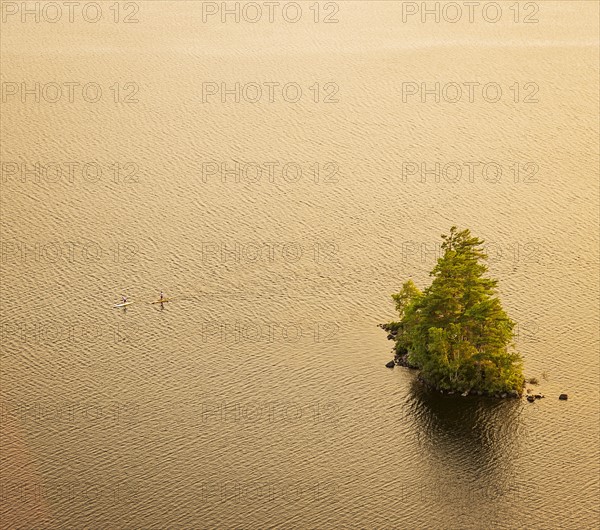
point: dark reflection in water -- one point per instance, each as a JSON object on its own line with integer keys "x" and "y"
{"x": 471, "y": 445}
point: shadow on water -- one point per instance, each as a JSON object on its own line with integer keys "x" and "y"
{"x": 470, "y": 445}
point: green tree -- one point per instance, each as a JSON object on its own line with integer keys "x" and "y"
{"x": 456, "y": 331}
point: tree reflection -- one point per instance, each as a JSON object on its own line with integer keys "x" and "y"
{"x": 471, "y": 445}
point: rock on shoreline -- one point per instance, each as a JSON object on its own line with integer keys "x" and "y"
{"x": 402, "y": 360}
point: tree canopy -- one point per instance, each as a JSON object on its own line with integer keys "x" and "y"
{"x": 455, "y": 331}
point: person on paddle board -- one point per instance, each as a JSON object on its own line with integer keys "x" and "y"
{"x": 124, "y": 299}
{"x": 162, "y": 296}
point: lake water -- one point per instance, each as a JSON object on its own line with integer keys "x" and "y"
{"x": 258, "y": 397}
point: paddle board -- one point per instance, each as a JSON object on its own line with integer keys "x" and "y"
{"x": 161, "y": 301}
{"x": 123, "y": 304}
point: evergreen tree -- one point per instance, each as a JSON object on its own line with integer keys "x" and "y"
{"x": 456, "y": 331}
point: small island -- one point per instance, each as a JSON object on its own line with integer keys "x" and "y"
{"x": 455, "y": 332}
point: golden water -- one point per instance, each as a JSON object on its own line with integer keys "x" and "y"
{"x": 258, "y": 397}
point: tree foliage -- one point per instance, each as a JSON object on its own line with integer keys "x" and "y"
{"x": 456, "y": 331}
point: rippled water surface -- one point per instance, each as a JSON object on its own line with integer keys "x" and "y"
{"x": 258, "y": 396}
